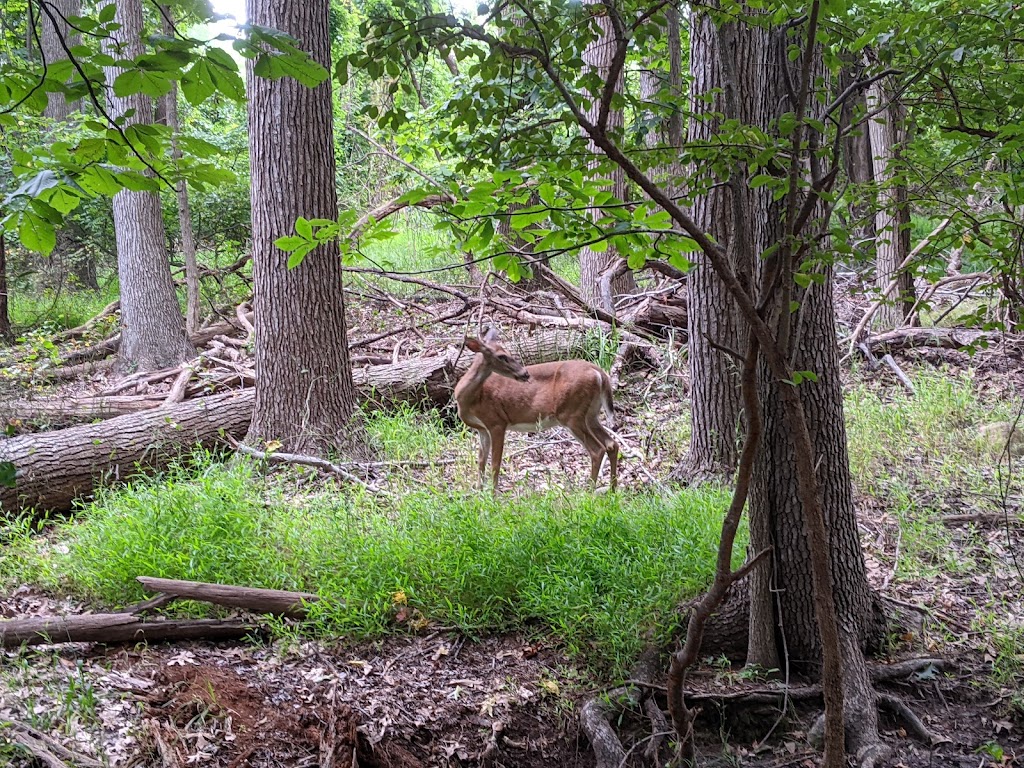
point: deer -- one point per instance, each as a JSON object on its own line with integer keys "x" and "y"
{"x": 533, "y": 398}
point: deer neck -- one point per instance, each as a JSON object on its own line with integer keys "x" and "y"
{"x": 472, "y": 382}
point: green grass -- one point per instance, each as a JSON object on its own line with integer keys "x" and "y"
{"x": 52, "y": 311}
{"x": 597, "y": 573}
{"x": 920, "y": 455}
{"x": 408, "y": 434}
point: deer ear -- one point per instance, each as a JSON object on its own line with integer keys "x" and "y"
{"x": 474, "y": 345}
{"x": 491, "y": 335}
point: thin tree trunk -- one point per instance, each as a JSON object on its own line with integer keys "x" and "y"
{"x": 304, "y": 392}
{"x": 598, "y": 57}
{"x": 57, "y": 107}
{"x": 892, "y": 215}
{"x": 152, "y": 329}
{"x": 6, "y": 334}
{"x": 188, "y": 240}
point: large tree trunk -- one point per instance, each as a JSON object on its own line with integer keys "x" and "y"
{"x": 713, "y": 322}
{"x": 152, "y": 329}
{"x": 785, "y": 614}
{"x": 892, "y": 214}
{"x": 598, "y": 57}
{"x": 53, "y": 38}
{"x": 304, "y": 392}
{"x": 188, "y": 239}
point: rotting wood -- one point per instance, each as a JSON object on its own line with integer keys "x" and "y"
{"x": 115, "y": 628}
{"x": 946, "y": 338}
{"x": 278, "y": 602}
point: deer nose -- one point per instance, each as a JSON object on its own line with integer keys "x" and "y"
{"x": 525, "y": 376}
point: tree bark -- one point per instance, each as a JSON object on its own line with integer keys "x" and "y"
{"x": 887, "y": 132}
{"x": 6, "y": 334}
{"x": 715, "y": 405}
{"x": 598, "y": 57}
{"x": 188, "y": 239}
{"x": 278, "y": 602}
{"x": 304, "y": 393}
{"x": 152, "y": 329}
{"x": 57, "y": 107}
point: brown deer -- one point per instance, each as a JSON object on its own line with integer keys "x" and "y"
{"x": 532, "y": 398}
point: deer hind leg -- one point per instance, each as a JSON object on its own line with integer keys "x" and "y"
{"x": 594, "y": 448}
{"x": 605, "y": 446}
{"x": 497, "y": 443}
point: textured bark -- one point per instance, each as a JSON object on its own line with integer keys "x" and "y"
{"x": 188, "y": 238}
{"x": 304, "y": 392}
{"x": 54, "y": 468}
{"x": 892, "y": 213}
{"x": 152, "y": 328}
{"x": 6, "y": 335}
{"x": 598, "y": 57}
{"x": 779, "y": 516}
{"x": 57, "y": 107}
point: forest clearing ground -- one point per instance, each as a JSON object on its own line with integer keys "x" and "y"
{"x": 433, "y": 695}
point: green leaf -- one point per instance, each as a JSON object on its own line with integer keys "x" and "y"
{"x": 289, "y": 243}
{"x": 107, "y": 13}
{"x": 197, "y": 83}
{"x": 303, "y": 227}
{"x": 8, "y": 474}
{"x": 36, "y": 234}
{"x": 298, "y": 255}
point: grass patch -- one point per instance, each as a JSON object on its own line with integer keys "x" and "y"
{"x": 404, "y": 433}
{"x": 920, "y": 454}
{"x": 54, "y": 311}
{"x": 598, "y": 573}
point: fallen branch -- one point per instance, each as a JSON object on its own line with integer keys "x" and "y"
{"x": 278, "y": 602}
{"x": 115, "y": 628}
{"x": 946, "y": 338}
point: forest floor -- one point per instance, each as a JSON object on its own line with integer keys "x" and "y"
{"x": 942, "y": 544}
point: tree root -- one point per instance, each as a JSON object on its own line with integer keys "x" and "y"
{"x": 915, "y": 727}
{"x": 595, "y": 719}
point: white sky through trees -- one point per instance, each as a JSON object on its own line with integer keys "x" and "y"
{"x": 236, "y": 8}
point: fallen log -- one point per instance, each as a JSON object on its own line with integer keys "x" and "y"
{"x": 278, "y": 602}
{"x": 946, "y": 338}
{"x": 116, "y": 628}
{"x": 54, "y": 468}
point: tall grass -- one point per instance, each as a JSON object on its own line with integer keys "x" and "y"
{"x": 599, "y": 574}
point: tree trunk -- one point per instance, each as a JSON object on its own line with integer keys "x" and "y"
{"x": 152, "y": 329}
{"x": 304, "y": 392}
{"x": 892, "y": 214}
{"x": 6, "y": 334}
{"x": 778, "y": 515}
{"x": 714, "y": 382}
{"x": 598, "y": 57}
{"x": 188, "y": 239}
{"x": 116, "y": 628}
{"x": 52, "y": 36}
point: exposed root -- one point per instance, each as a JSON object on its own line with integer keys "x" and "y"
{"x": 882, "y": 672}
{"x": 915, "y": 727}
{"x": 595, "y": 720}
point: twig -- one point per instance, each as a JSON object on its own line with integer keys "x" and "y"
{"x": 309, "y": 461}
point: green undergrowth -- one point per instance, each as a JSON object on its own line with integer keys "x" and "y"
{"x": 53, "y": 311}
{"x": 920, "y": 455}
{"x": 599, "y": 574}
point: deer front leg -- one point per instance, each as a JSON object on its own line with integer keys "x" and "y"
{"x": 497, "y": 440}
{"x": 482, "y": 452}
